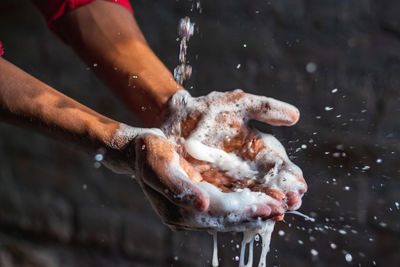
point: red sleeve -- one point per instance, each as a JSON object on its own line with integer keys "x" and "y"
{"x": 1, "y": 50}
{"x": 53, "y": 10}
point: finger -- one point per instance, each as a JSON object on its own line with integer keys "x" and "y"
{"x": 164, "y": 173}
{"x": 280, "y": 206}
{"x": 259, "y": 211}
{"x": 305, "y": 187}
{"x": 269, "y": 110}
{"x": 265, "y": 211}
{"x": 293, "y": 200}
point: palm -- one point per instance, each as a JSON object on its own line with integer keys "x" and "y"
{"x": 219, "y": 121}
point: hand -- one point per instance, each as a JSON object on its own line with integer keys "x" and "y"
{"x": 170, "y": 182}
{"x": 171, "y": 170}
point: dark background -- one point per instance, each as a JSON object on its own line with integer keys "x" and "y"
{"x": 57, "y": 209}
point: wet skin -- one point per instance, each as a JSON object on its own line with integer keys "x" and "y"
{"x": 246, "y": 143}
{"x": 91, "y": 31}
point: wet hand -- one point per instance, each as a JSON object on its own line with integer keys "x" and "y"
{"x": 220, "y": 120}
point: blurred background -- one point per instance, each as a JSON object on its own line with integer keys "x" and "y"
{"x": 337, "y": 61}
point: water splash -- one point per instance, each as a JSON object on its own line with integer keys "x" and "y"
{"x": 307, "y": 218}
{"x": 183, "y": 71}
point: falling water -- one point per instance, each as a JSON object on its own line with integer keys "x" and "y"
{"x": 183, "y": 71}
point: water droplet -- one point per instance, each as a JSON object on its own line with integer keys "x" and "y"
{"x": 379, "y": 160}
{"x": 281, "y": 232}
{"x": 311, "y": 67}
{"x": 327, "y": 108}
{"x": 244, "y": 45}
{"x": 347, "y": 188}
{"x": 84, "y": 186}
{"x": 348, "y": 257}
{"x": 97, "y": 165}
{"x": 98, "y": 157}
{"x": 343, "y": 232}
{"x": 314, "y": 252}
{"x": 303, "y": 146}
{"x": 333, "y": 245}
{"x": 366, "y": 167}
{"x": 334, "y": 90}
{"x": 176, "y": 258}
{"x": 238, "y": 66}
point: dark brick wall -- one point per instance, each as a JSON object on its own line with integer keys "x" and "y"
{"x": 56, "y": 209}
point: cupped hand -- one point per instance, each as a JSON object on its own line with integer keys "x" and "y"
{"x": 199, "y": 133}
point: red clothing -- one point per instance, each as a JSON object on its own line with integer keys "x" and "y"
{"x": 53, "y": 10}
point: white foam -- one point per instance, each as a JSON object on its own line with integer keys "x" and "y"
{"x": 215, "y": 250}
{"x": 265, "y": 234}
{"x": 230, "y": 211}
{"x": 123, "y": 136}
{"x": 235, "y": 166}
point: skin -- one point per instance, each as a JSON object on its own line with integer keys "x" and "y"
{"x": 108, "y": 35}
{"x": 242, "y": 141}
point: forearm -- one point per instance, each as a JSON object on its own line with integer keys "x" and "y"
{"x": 108, "y": 38}
{"x": 28, "y": 102}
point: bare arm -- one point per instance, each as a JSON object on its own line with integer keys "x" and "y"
{"x": 30, "y": 103}
{"x": 107, "y": 36}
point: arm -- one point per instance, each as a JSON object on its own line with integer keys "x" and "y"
{"x": 107, "y": 36}
{"x": 30, "y": 103}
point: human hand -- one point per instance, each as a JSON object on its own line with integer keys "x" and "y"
{"x": 198, "y": 131}
{"x": 171, "y": 168}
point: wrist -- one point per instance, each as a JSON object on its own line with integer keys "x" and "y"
{"x": 120, "y": 149}
{"x": 148, "y": 93}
